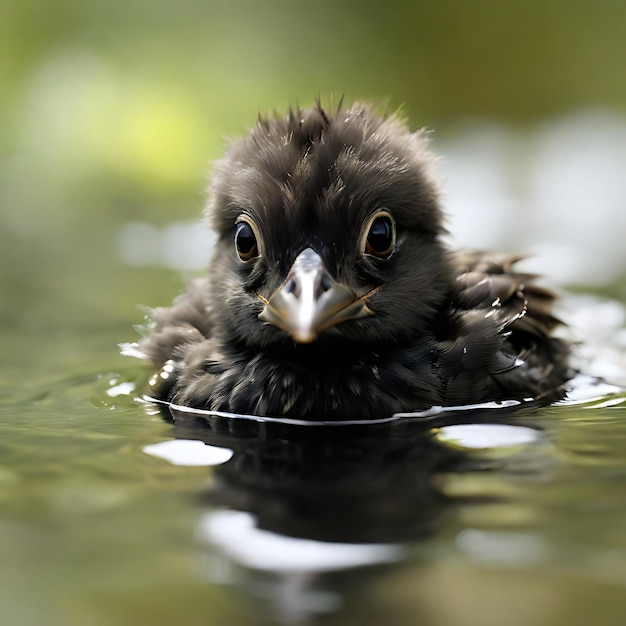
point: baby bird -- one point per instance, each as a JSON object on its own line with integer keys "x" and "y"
{"x": 330, "y": 294}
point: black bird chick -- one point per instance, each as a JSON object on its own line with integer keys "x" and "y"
{"x": 330, "y": 294}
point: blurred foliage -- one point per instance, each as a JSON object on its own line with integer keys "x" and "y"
{"x": 111, "y": 112}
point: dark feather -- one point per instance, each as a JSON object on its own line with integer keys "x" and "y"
{"x": 437, "y": 327}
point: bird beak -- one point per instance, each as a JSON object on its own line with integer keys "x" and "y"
{"x": 310, "y": 301}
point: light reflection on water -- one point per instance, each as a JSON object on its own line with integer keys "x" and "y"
{"x": 297, "y": 501}
{"x": 515, "y": 518}
{"x": 293, "y": 501}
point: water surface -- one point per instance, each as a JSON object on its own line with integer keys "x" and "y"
{"x": 478, "y": 516}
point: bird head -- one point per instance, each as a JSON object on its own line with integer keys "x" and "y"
{"x": 329, "y": 227}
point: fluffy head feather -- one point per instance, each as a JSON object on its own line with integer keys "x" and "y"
{"x": 312, "y": 179}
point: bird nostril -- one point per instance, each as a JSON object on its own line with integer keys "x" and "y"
{"x": 293, "y": 286}
{"x": 318, "y": 285}
{"x": 324, "y": 284}
{"x": 308, "y": 278}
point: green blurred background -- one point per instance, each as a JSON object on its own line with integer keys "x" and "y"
{"x": 110, "y": 114}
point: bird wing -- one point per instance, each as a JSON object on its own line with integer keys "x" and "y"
{"x": 500, "y": 323}
{"x": 174, "y": 328}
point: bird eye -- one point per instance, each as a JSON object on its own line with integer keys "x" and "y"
{"x": 246, "y": 241}
{"x": 381, "y": 235}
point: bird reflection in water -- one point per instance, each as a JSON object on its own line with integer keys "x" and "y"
{"x": 299, "y": 504}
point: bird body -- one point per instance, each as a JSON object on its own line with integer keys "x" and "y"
{"x": 330, "y": 294}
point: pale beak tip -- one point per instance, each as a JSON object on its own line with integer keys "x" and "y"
{"x": 303, "y": 336}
